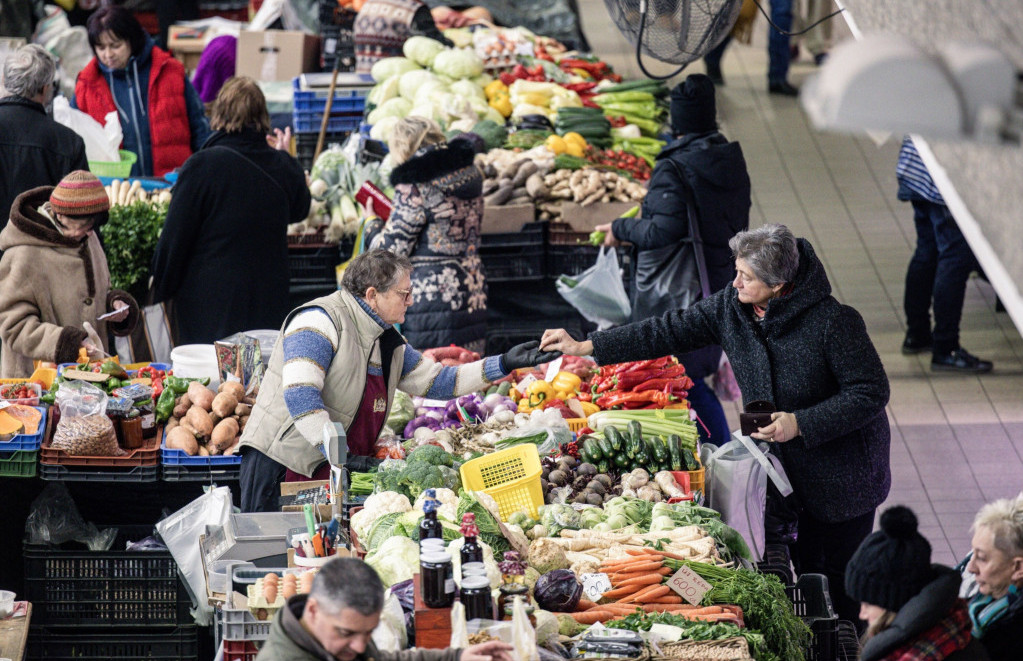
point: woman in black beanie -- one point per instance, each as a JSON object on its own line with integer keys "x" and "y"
{"x": 912, "y": 608}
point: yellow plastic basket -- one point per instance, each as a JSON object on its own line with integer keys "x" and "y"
{"x": 511, "y": 477}
{"x": 120, "y": 169}
{"x": 575, "y": 424}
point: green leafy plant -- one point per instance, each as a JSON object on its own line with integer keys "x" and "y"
{"x": 129, "y": 240}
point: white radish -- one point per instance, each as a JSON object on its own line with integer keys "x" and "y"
{"x": 133, "y": 192}
{"x": 115, "y": 192}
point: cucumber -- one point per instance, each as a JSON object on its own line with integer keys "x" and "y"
{"x": 612, "y": 434}
{"x": 690, "y": 460}
{"x": 660, "y": 449}
{"x": 592, "y": 449}
{"x": 635, "y": 434}
{"x": 675, "y": 451}
{"x": 605, "y": 447}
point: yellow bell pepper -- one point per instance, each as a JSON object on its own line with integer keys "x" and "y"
{"x": 537, "y": 393}
{"x": 534, "y": 98}
{"x": 502, "y": 104}
{"x": 589, "y": 408}
{"x": 556, "y": 144}
{"x": 494, "y": 88}
{"x": 573, "y": 137}
{"x": 573, "y": 149}
{"x": 566, "y": 382}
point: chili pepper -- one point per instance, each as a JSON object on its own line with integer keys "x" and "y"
{"x": 579, "y": 87}
{"x": 584, "y": 396}
{"x": 670, "y": 382}
{"x": 176, "y": 384}
{"x": 643, "y": 396}
{"x": 165, "y": 405}
{"x": 157, "y": 385}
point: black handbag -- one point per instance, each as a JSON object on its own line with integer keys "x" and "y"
{"x": 672, "y": 277}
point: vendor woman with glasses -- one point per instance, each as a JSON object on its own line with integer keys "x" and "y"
{"x": 340, "y": 360}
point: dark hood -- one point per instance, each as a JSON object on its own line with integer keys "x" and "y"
{"x": 28, "y": 226}
{"x": 245, "y": 140}
{"x": 920, "y": 613}
{"x": 810, "y": 287}
{"x": 449, "y": 167}
{"x": 711, "y": 160}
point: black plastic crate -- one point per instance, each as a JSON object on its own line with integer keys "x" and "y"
{"x": 305, "y": 145}
{"x": 511, "y": 256}
{"x": 200, "y": 473}
{"x": 76, "y": 587}
{"x": 532, "y": 234}
{"x": 812, "y": 603}
{"x": 58, "y": 473}
{"x": 314, "y": 265}
{"x": 502, "y": 338}
{"x": 777, "y": 562}
{"x": 567, "y": 259}
{"x": 848, "y": 641}
{"x": 181, "y": 643}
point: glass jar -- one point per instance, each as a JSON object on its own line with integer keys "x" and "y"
{"x": 507, "y": 597}
{"x": 476, "y": 597}
{"x": 506, "y": 613}
{"x": 437, "y": 579}
{"x": 148, "y": 414}
{"x": 474, "y": 569}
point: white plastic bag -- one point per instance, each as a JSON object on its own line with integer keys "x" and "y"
{"x": 598, "y": 293}
{"x": 459, "y": 628}
{"x": 101, "y": 140}
{"x": 523, "y": 634}
{"x": 737, "y": 474}
{"x": 390, "y": 635}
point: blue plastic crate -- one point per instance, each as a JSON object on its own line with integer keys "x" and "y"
{"x": 308, "y": 122}
{"x": 26, "y": 441}
{"x": 175, "y": 457}
{"x": 316, "y": 101}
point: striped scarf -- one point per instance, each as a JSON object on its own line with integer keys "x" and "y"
{"x": 939, "y": 642}
{"x": 985, "y": 609}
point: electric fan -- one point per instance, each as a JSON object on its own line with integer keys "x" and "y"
{"x": 673, "y": 31}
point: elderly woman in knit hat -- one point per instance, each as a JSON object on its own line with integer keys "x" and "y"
{"x": 912, "y": 608}
{"x": 55, "y": 279}
{"x": 701, "y": 172}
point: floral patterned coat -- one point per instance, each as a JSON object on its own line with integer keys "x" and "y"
{"x": 438, "y": 208}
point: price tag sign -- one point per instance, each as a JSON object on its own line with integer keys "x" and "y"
{"x": 689, "y": 585}
{"x": 553, "y": 368}
{"x": 595, "y": 585}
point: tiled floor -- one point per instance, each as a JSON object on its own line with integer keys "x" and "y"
{"x": 957, "y": 441}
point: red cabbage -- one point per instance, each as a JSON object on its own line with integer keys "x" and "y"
{"x": 558, "y": 591}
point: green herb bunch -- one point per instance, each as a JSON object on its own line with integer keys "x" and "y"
{"x": 129, "y": 240}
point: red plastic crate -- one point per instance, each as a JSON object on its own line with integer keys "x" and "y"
{"x": 240, "y": 650}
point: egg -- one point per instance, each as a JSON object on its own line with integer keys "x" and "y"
{"x": 307, "y": 582}
{"x": 270, "y": 593}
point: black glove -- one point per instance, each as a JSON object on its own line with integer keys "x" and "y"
{"x": 527, "y": 354}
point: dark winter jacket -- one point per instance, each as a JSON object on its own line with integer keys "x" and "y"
{"x": 1003, "y": 638}
{"x": 438, "y": 206}
{"x": 130, "y": 90}
{"x": 810, "y": 356}
{"x": 34, "y": 151}
{"x": 290, "y": 641}
{"x": 931, "y": 621}
{"x": 714, "y": 170}
{"x": 223, "y": 254}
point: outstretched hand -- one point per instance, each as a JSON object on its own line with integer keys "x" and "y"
{"x": 492, "y": 650}
{"x": 558, "y": 339}
{"x": 526, "y": 354}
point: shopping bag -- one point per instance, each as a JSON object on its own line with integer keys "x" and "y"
{"x": 151, "y": 341}
{"x": 598, "y": 293}
{"x": 737, "y": 474}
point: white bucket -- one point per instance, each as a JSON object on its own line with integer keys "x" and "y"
{"x": 194, "y": 361}
{"x": 220, "y": 575}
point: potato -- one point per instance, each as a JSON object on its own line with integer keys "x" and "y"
{"x": 171, "y": 424}
{"x": 233, "y": 387}
{"x": 181, "y": 407}
{"x": 203, "y": 451}
{"x": 200, "y": 395}
{"x": 242, "y": 420}
{"x": 223, "y": 435}
{"x": 250, "y": 400}
{"x": 242, "y": 409}
{"x": 224, "y": 404}
{"x": 179, "y": 439}
{"x": 199, "y": 420}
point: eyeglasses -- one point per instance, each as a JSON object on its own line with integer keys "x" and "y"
{"x": 406, "y": 294}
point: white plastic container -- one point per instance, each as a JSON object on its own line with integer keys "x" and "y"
{"x": 6, "y": 603}
{"x": 194, "y": 361}
{"x": 220, "y": 575}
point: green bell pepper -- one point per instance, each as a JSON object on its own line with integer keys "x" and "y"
{"x": 165, "y": 404}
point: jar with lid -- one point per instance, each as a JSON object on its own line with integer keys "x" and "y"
{"x": 148, "y": 414}
{"x": 506, "y": 612}
{"x": 437, "y": 579}
{"x": 476, "y": 597}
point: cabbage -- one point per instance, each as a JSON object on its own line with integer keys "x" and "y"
{"x": 482, "y": 80}
{"x": 381, "y": 530}
{"x": 396, "y": 560}
{"x": 422, "y": 50}
{"x": 396, "y": 107}
{"x": 468, "y": 89}
{"x": 391, "y": 67}
{"x": 430, "y": 111}
{"x": 493, "y": 116}
{"x": 480, "y": 107}
{"x": 411, "y": 81}
{"x": 382, "y": 131}
{"x": 383, "y": 91}
{"x": 558, "y": 591}
{"x": 460, "y": 37}
{"x": 402, "y": 410}
{"x": 430, "y": 90}
{"x": 458, "y": 63}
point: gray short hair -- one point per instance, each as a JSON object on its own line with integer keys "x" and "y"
{"x": 1004, "y": 518}
{"x": 348, "y": 583}
{"x": 379, "y": 269}
{"x": 28, "y": 70}
{"x": 770, "y": 251}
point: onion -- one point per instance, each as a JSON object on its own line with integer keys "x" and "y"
{"x": 435, "y": 414}
{"x": 423, "y": 435}
{"x": 494, "y": 399}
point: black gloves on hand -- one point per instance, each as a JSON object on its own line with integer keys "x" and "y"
{"x": 527, "y": 354}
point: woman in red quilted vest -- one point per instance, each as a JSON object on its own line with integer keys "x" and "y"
{"x": 160, "y": 112}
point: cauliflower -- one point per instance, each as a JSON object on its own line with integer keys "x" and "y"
{"x": 458, "y": 63}
{"x": 422, "y": 50}
{"x": 377, "y": 506}
{"x": 546, "y": 555}
{"x": 396, "y": 560}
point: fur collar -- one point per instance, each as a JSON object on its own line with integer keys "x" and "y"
{"x": 25, "y": 215}
{"x": 434, "y": 164}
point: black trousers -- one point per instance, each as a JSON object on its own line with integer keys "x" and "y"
{"x": 825, "y": 548}
{"x": 260, "y": 482}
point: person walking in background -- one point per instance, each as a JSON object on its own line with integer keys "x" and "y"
{"x": 438, "y": 208}
{"x": 912, "y": 608}
{"x": 700, "y": 171}
{"x": 937, "y": 272}
{"x": 817, "y": 39}
{"x": 161, "y": 115}
{"x": 34, "y": 150}
{"x": 997, "y": 565}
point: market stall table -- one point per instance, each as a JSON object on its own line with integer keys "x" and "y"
{"x": 14, "y": 631}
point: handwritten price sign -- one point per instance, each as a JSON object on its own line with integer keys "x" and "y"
{"x": 689, "y": 585}
{"x": 595, "y": 585}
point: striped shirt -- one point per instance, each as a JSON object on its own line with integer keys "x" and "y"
{"x": 912, "y": 173}
{"x": 310, "y": 344}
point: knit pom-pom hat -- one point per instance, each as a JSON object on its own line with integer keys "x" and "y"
{"x": 892, "y": 565}
{"x": 80, "y": 193}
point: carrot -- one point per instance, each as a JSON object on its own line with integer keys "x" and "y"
{"x": 621, "y": 592}
{"x": 593, "y": 616}
{"x": 633, "y": 562}
{"x": 652, "y": 592}
{"x": 673, "y": 599}
{"x": 634, "y": 567}
{"x": 653, "y": 579}
{"x": 624, "y": 576}
{"x": 710, "y": 610}
{"x": 584, "y": 604}
{"x": 667, "y": 608}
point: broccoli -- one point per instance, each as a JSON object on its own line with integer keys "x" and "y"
{"x": 419, "y": 476}
{"x": 430, "y": 454}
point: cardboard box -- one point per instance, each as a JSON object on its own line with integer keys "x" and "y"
{"x": 276, "y": 54}
{"x": 586, "y": 219}
{"x": 188, "y": 43}
{"x": 511, "y": 218}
